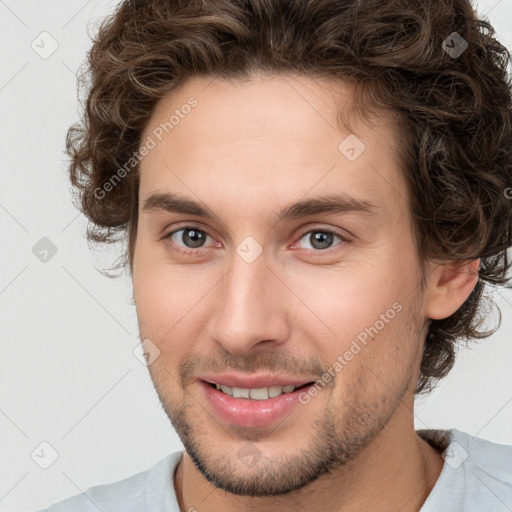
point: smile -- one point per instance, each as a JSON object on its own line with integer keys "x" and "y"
{"x": 258, "y": 393}
{"x": 253, "y": 407}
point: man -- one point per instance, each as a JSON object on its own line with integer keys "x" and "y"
{"x": 314, "y": 196}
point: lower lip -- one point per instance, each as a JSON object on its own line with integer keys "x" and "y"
{"x": 251, "y": 413}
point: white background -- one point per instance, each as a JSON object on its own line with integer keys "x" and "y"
{"x": 68, "y": 375}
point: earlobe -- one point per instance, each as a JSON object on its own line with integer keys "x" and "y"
{"x": 450, "y": 285}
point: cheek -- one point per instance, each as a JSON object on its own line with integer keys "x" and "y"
{"x": 159, "y": 297}
{"x": 347, "y": 302}
{"x": 361, "y": 316}
{"x": 159, "y": 288}
{"x": 170, "y": 304}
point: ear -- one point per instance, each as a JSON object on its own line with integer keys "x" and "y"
{"x": 450, "y": 284}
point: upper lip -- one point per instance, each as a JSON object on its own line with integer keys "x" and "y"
{"x": 254, "y": 381}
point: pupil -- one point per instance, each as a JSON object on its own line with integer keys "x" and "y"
{"x": 196, "y": 236}
{"x": 322, "y": 238}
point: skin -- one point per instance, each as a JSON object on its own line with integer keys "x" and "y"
{"x": 246, "y": 150}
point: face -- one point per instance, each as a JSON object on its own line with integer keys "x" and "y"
{"x": 250, "y": 287}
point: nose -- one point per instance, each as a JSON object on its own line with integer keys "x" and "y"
{"x": 251, "y": 307}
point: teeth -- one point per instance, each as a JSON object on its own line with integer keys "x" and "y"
{"x": 256, "y": 394}
{"x": 274, "y": 391}
{"x": 240, "y": 393}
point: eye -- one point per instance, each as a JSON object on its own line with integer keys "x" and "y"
{"x": 191, "y": 237}
{"x": 321, "y": 239}
{"x": 188, "y": 240}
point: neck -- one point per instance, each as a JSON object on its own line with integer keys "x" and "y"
{"x": 396, "y": 471}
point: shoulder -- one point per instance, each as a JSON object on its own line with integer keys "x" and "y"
{"x": 492, "y": 458}
{"x": 476, "y": 475}
{"x": 148, "y": 490}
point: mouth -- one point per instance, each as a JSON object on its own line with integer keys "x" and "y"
{"x": 263, "y": 393}
{"x": 253, "y": 407}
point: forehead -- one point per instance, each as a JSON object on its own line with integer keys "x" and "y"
{"x": 273, "y": 138}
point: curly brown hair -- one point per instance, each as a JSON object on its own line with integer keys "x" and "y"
{"x": 454, "y": 114}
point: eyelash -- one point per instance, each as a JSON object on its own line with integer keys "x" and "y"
{"x": 194, "y": 252}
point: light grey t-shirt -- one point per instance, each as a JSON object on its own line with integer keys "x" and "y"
{"x": 476, "y": 477}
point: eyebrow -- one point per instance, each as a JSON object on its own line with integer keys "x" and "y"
{"x": 332, "y": 203}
